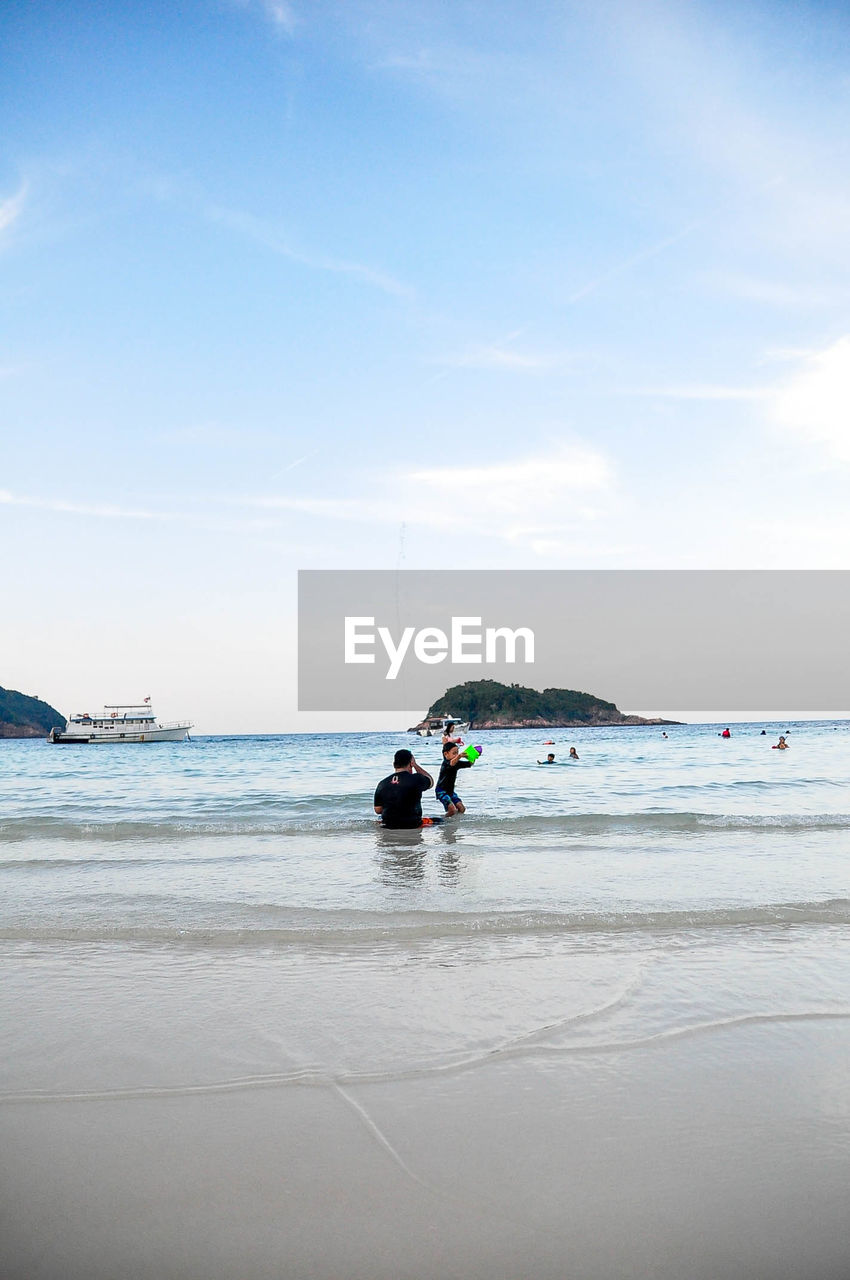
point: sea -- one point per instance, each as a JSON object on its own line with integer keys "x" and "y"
{"x": 597, "y": 1026}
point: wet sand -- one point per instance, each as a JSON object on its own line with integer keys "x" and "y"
{"x": 716, "y": 1154}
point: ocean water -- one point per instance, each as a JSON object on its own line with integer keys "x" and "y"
{"x": 597, "y": 1026}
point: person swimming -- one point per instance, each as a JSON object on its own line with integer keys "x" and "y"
{"x": 781, "y": 745}
{"x": 550, "y": 759}
{"x": 573, "y": 753}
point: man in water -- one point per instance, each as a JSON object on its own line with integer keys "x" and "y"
{"x": 550, "y": 759}
{"x": 398, "y": 798}
{"x": 452, "y": 761}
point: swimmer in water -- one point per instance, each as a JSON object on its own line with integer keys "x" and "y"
{"x": 550, "y": 759}
{"x": 781, "y": 745}
{"x": 573, "y": 753}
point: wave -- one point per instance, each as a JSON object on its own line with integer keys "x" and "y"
{"x": 272, "y": 926}
{"x": 336, "y": 820}
{"x": 658, "y": 822}
{"x": 751, "y": 784}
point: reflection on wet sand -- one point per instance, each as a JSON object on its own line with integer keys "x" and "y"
{"x": 402, "y": 855}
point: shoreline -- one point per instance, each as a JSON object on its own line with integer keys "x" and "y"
{"x": 636, "y": 723}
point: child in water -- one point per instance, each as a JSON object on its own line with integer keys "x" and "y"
{"x": 445, "y": 789}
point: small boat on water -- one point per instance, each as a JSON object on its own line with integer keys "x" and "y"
{"x": 135, "y": 722}
{"x": 436, "y": 727}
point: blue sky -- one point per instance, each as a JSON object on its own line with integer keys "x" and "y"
{"x": 419, "y": 285}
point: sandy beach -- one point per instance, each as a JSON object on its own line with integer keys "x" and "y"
{"x": 667, "y": 1160}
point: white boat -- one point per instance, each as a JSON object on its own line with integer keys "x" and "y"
{"x": 437, "y": 725}
{"x": 120, "y": 723}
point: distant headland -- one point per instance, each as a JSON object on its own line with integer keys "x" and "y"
{"x": 487, "y": 704}
{"x": 24, "y": 717}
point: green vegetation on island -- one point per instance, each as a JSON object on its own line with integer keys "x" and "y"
{"x": 24, "y": 717}
{"x": 487, "y": 704}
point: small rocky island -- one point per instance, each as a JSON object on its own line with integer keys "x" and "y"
{"x": 487, "y": 704}
{"x": 24, "y": 717}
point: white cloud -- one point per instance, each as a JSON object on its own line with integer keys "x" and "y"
{"x": 539, "y": 502}
{"x": 498, "y": 355}
{"x": 702, "y": 392}
{"x": 11, "y": 208}
{"x": 526, "y": 485}
{"x": 281, "y": 15}
{"x": 8, "y": 499}
{"x": 278, "y": 12}
{"x": 211, "y": 435}
{"x": 815, "y": 402}
{"x": 207, "y": 519}
{"x": 774, "y": 293}
{"x": 799, "y": 543}
{"x": 272, "y": 237}
{"x": 625, "y": 265}
{"x": 268, "y": 233}
{"x": 456, "y": 72}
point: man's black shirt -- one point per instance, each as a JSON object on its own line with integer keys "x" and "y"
{"x": 399, "y": 796}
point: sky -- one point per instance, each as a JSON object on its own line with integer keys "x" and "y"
{"x": 403, "y": 285}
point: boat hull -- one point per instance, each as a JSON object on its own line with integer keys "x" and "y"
{"x": 174, "y": 733}
{"x": 436, "y": 731}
